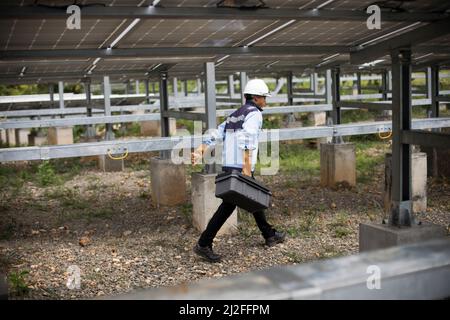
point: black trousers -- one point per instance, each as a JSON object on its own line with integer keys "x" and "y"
{"x": 223, "y": 213}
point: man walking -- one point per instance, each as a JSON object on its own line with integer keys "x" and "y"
{"x": 240, "y": 150}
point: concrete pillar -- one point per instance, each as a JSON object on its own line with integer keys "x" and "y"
{"x": 419, "y": 182}
{"x": 205, "y": 203}
{"x": 60, "y": 135}
{"x": 106, "y": 164}
{"x": 317, "y": 118}
{"x": 168, "y": 182}
{"x": 3, "y": 140}
{"x": 21, "y": 136}
{"x": 37, "y": 139}
{"x": 337, "y": 164}
{"x": 11, "y": 137}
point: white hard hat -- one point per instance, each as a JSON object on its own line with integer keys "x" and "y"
{"x": 257, "y": 87}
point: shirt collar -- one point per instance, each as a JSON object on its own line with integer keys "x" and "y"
{"x": 251, "y": 103}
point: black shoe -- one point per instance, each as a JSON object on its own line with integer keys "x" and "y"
{"x": 278, "y": 237}
{"x": 206, "y": 253}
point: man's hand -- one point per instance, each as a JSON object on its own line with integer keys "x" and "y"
{"x": 198, "y": 154}
{"x": 247, "y": 168}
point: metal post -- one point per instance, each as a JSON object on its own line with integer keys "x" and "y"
{"x": 147, "y": 91}
{"x": 290, "y": 89}
{"x": 243, "y": 82}
{"x": 175, "y": 87}
{"x": 401, "y": 207}
{"x": 90, "y": 130}
{"x": 434, "y": 87}
{"x": 290, "y": 95}
{"x": 210, "y": 104}
{"x": 311, "y": 82}
{"x": 199, "y": 86}
{"x": 186, "y": 92}
{"x": 231, "y": 85}
{"x": 328, "y": 94}
{"x": 315, "y": 83}
{"x": 51, "y": 91}
{"x": 389, "y": 81}
{"x": 164, "y": 106}
{"x": 384, "y": 85}
{"x": 137, "y": 87}
{"x": 154, "y": 87}
{"x": 109, "y": 135}
{"x": 358, "y": 82}
{"x": 61, "y": 95}
{"x": 336, "y": 97}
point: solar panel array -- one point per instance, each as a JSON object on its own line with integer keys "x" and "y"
{"x": 49, "y": 34}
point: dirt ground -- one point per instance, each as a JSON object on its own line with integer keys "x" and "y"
{"x": 129, "y": 243}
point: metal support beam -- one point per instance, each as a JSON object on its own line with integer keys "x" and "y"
{"x": 210, "y": 104}
{"x": 426, "y": 138}
{"x": 358, "y": 82}
{"x": 364, "y": 105}
{"x": 185, "y": 89}
{"x": 199, "y": 86}
{"x": 384, "y": 85}
{"x": 243, "y": 82}
{"x": 61, "y": 96}
{"x": 362, "y": 54}
{"x": 109, "y": 134}
{"x": 290, "y": 88}
{"x": 90, "y": 129}
{"x": 434, "y": 88}
{"x": 190, "y": 52}
{"x": 175, "y": 87}
{"x": 147, "y": 91}
{"x": 316, "y": 83}
{"x": 167, "y": 143}
{"x": 336, "y": 96}
{"x": 164, "y": 107}
{"x": 130, "y": 12}
{"x": 51, "y": 90}
{"x": 230, "y": 83}
{"x": 401, "y": 207}
{"x": 137, "y": 89}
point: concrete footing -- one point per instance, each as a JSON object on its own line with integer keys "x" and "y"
{"x": 317, "y": 118}
{"x": 60, "y": 135}
{"x": 3, "y": 137}
{"x": 379, "y": 236}
{"x": 437, "y": 159}
{"x": 418, "y": 185}
{"x": 153, "y": 128}
{"x": 106, "y": 164}
{"x": 22, "y": 136}
{"x": 168, "y": 182}
{"x": 10, "y": 137}
{"x": 37, "y": 139}
{"x": 205, "y": 203}
{"x": 337, "y": 164}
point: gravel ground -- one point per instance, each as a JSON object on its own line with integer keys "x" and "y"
{"x": 107, "y": 225}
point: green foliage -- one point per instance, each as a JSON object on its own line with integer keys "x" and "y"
{"x": 18, "y": 282}
{"x": 46, "y": 174}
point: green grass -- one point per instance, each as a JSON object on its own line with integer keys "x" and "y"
{"x": 299, "y": 159}
{"x": 366, "y": 163}
{"x": 339, "y": 225}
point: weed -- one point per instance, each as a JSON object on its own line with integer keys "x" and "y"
{"x": 18, "y": 282}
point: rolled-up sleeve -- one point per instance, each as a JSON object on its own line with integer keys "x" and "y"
{"x": 247, "y": 138}
{"x": 216, "y": 134}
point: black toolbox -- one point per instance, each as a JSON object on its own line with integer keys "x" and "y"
{"x": 243, "y": 191}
